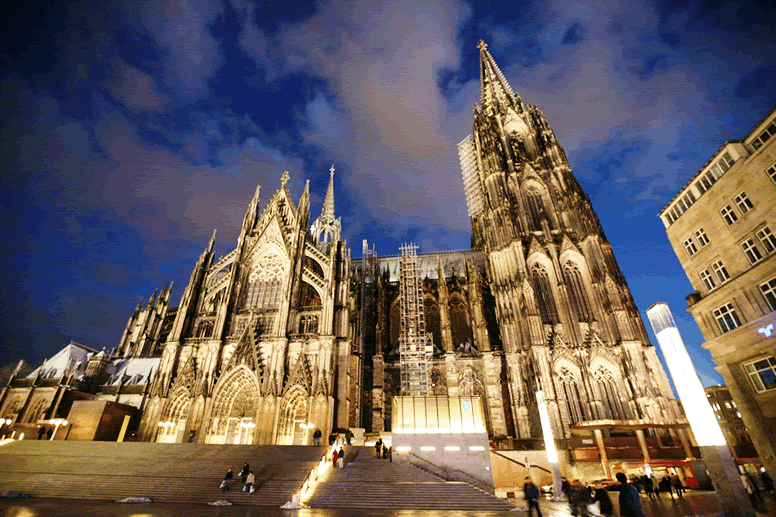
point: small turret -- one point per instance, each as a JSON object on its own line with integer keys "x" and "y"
{"x": 327, "y": 228}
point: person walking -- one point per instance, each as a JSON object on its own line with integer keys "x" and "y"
{"x": 578, "y": 499}
{"x": 756, "y": 493}
{"x": 41, "y": 432}
{"x": 334, "y": 458}
{"x": 766, "y": 481}
{"x": 341, "y": 458}
{"x": 531, "y": 494}
{"x": 630, "y": 504}
{"x": 665, "y": 486}
{"x": 378, "y": 447}
{"x": 601, "y": 496}
{"x": 249, "y": 481}
{"x": 244, "y": 473}
{"x": 676, "y": 484}
{"x": 227, "y": 480}
{"x": 317, "y": 437}
{"x": 649, "y": 488}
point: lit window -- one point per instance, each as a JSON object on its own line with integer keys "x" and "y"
{"x": 701, "y": 236}
{"x": 772, "y": 172}
{"x": 728, "y": 215}
{"x": 743, "y": 202}
{"x": 769, "y": 292}
{"x": 767, "y": 239}
{"x": 751, "y": 251}
{"x": 720, "y": 271}
{"x": 690, "y": 247}
{"x": 762, "y": 374}
{"x": 708, "y": 281}
{"x": 764, "y": 136}
{"x": 726, "y": 317}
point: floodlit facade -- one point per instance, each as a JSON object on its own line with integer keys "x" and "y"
{"x": 287, "y": 331}
{"x": 722, "y": 226}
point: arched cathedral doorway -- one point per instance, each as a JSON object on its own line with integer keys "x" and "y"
{"x": 234, "y": 410}
{"x": 293, "y": 415}
{"x": 173, "y": 422}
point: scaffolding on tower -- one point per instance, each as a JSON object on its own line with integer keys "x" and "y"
{"x": 415, "y": 344}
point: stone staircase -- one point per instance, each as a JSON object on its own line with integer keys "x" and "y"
{"x": 190, "y": 473}
{"x": 369, "y": 482}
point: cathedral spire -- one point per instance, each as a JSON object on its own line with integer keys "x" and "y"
{"x": 327, "y": 228}
{"x": 327, "y": 213}
{"x": 494, "y": 88}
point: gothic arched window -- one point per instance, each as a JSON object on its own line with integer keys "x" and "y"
{"x": 610, "y": 397}
{"x": 576, "y": 291}
{"x": 535, "y": 205}
{"x": 543, "y": 292}
{"x": 431, "y": 310}
{"x": 265, "y": 284}
{"x": 460, "y": 326}
{"x": 570, "y": 393}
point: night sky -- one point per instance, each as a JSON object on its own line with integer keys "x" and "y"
{"x": 130, "y": 130}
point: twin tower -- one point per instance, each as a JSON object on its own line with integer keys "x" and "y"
{"x": 286, "y": 332}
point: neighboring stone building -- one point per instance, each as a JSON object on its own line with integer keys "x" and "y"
{"x": 722, "y": 226}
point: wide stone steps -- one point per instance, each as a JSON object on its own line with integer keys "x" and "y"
{"x": 369, "y": 482}
{"x": 162, "y": 472}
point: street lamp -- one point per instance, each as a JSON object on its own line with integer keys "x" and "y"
{"x": 56, "y": 422}
{"x": 705, "y": 427}
{"x": 549, "y": 442}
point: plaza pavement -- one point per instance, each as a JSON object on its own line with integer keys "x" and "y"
{"x": 698, "y": 503}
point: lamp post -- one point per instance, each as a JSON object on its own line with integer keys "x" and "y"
{"x": 716, "y": 455}
{"x": 56, "y": 422}
{"x": 549, "y": 442}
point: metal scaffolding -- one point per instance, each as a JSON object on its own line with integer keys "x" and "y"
{"x": 415, "y": 344}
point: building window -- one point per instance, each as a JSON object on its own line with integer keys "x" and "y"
{"x": 728, "y": 215}
{"x": 743, "y": 202}
{"x": 701, "y": 236}
{"x": 768, "y": 240}
{"x": 576, "y": 291}
{"x": 762, "y": 373}
{"x": 720, "y": 271}
{"x": 751, "y": 251}
{"x": 772, "y": 172}
{"x": 544, "y": 296}
{"x": 689, "y": 245}
{"x": 708, "y": 281}
{"x": 726, "y": 317}
{"x": 769, "y": 292}
{"x": 764, "y": 136}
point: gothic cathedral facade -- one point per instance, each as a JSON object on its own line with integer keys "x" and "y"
{"x": 286, "y": 332}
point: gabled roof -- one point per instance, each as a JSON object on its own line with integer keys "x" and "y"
{"x": 137, "y": 369}
{"x": 73, "y": 356}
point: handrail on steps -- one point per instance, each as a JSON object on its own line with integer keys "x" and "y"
{"x": 468, "y": 478}
{"x": 521, "y": 464}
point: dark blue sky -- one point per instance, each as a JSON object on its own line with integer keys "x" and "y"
{"x": 130, "y": 130}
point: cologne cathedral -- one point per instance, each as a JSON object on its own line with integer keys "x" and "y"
{"x": 286, "y": 332}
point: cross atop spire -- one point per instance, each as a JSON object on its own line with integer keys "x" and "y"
{"x": 494, "y": 88}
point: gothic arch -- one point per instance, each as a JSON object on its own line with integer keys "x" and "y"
{"x": 577, "y": 290}
{"x": 37, "y": 410}
{"x": 606, "y": 384}
{"x": 266, "y": 279}
{"x": 12, "y": 409}
{"x": 460, "y": 322}
{"x": 469, "y": 383}
{"x": 537, "y": 204}
{"x": 438, "y": 384}
{"x": 568, "y": 381}
{"x": 543, "y": 283}
{"x": 174, "y": 416}
{"x": 235, "y": 402}
{"x": 433, "y": 319}
{"x": 294, "y": 410}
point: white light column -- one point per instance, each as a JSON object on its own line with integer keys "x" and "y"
{"x": 716, "y": 455}
{"x": 549, "y": 442}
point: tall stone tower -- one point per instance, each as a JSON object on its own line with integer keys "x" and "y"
{"x": 567, "y": 321}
